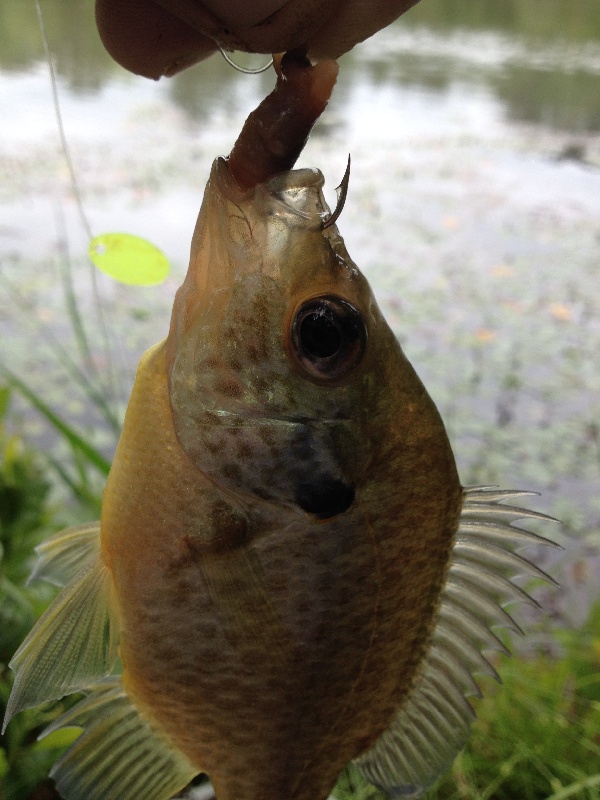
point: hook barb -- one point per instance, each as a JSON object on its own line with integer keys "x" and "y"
{"x": 342, "y": 191}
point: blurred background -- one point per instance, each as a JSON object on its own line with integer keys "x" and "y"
{"x": 474, "y": 210}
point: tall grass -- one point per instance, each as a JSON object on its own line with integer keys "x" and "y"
{"x": 25, "y": 519}
{"x": 87, "y": 462}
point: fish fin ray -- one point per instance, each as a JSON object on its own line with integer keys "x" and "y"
{"x": 119, "y": 753}
{"x": 63, "y": 555}
{"x": 72, "y": 644}
{"x": 422, "y": 740}
{"x": 499, "y": 559}
{"x": 479, "y": 530}
{"x": 433, "y": 724}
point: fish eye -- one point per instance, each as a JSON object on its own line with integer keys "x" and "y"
{"x": 329, "y": 337}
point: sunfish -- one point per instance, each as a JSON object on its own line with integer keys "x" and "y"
{"x": 286, "y": 564}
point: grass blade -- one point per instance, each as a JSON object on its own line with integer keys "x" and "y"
{"x": 575, "y": 788}
{"x": 91, "y": 382}
{"x": 93, "y": 456}
{"x": 80, "y": 490}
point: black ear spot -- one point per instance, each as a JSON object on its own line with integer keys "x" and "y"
{"x": 325, "y": 497}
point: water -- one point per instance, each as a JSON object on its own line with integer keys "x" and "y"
{"x": 474, "y": 209}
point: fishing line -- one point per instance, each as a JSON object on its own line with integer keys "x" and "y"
{"x": 245, "y": 70}
{"x": 59, "y": 121}
{"x": 112, "y": 381}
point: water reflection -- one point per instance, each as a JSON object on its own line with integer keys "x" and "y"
{"x": 543, "y": 67}
{"x": 565, "y": 100}
{"x": 215, "y": 84}
{"x": 78, "y": 54}
{"x": 575, "y": 21}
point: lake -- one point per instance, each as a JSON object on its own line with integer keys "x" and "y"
{"x": 474, "y": 210}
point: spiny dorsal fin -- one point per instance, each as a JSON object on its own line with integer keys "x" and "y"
{"x": 64, "y": 554}
{"x": 120, "y": 755}
{"x": 434, "y": 723}
{"x": 73, "y": 644}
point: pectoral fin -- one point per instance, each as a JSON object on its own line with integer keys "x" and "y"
{"x": 64, "y": 554}
{"x": 120, "y": 754}
{"x": 72, "y": 644}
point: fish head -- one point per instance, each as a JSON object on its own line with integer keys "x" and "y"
{"x": 280, "y": 362}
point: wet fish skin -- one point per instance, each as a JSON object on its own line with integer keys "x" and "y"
{"x": 284, "y": 643}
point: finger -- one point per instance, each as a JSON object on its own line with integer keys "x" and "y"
{"x": 239, "y": 24}
{"x": 328, "y": 28}
{"x": 147, "y": 39}
{"x": 243, "y": 14}
{"x": 354, "y": 22}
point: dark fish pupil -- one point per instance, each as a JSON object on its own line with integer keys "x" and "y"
{"x": 319, "y": 335}
{"x": 329, "y": 337}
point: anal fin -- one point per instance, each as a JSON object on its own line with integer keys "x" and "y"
{"x": 73, "y": 644}
{"x": 120, "y": 754}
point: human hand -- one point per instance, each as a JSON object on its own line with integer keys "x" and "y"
{"x": 162, "y": 37}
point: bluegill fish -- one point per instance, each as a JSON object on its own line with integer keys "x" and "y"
{"x": 286, "y": 562}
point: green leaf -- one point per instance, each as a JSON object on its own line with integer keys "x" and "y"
{"x": 352, "y": 786}
{"x": 59, "y": 739}
{"x": 4, "y": 401}
{"x": 575, "y": 789}
{"x": 129, "y": 259}
{"x": 3, "y": 762}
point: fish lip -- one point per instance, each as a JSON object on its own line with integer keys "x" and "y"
{"x": 225, "y": 181}
{"x": 305, "y": 177}
{"x": 282, "y": 194}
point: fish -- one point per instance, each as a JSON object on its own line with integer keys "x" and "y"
{"x": 288, "y": 575}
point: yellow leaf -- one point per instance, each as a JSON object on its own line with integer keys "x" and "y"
{"x": 502, "y": 271}
{"x": 450, "y": 222}
{"x": 561, "y": 312}
{"x": 484, "y": 335}
{"x": 129, "y": 259}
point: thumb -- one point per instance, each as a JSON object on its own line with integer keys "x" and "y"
{"x": 148, "y": 40}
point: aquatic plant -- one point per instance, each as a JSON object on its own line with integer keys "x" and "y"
{"x": 25, "y": 519}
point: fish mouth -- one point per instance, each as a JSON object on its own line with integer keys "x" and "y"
{"x": 325, "y": 497}
{"x": 294, "y": 195}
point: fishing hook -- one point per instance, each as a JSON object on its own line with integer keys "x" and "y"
{"x": 245, "y": 70}
{"x": 342, "y": 191}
